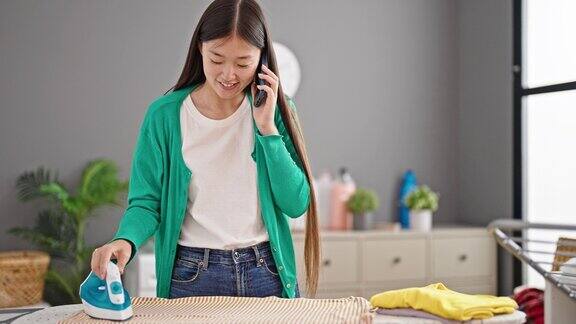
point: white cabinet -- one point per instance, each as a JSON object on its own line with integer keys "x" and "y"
{"x": 364, "y": 263}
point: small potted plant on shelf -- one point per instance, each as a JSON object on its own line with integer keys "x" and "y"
{"x": 422, "y": 202}
{"x": 362, "y": 204}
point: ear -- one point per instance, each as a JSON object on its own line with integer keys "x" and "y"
{"x": 200, "y": 48}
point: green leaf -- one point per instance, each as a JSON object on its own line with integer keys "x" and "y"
{"x": 49, "y": 244}
{"x": 76, "y": 208}
{"x": 100, "y": 184}
{"x": 56, "y": 190}
{"x": 363, "y": 201}
{"x": 422, "y": 198}
{"x": 29, "y": 183}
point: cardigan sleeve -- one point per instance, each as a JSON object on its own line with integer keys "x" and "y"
{"x": 142, "y": 214}
{"x": 290, "y": 187}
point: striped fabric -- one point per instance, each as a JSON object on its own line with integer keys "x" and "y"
{"x": 225, "y": 309}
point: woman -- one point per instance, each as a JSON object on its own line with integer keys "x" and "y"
{"x": 213, "y": 177}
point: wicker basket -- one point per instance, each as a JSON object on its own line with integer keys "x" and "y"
{"x": 564, "y": 244}
{"x": 22, "y": 277}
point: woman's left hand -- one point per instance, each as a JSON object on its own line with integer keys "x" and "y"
{"x": 264, "y": 115}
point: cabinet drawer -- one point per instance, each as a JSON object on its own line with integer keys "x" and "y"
{"x": 338, "y": 263}
{"x": 386, "y": 260}
{"x": 463, "y": 257}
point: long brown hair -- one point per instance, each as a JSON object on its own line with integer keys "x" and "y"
{"x": 245, "y": 18}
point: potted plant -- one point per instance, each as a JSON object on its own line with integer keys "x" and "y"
{"x": 362, "y": 204}
{"x": 60, "y": 227}
{"x": 422, "y": 202}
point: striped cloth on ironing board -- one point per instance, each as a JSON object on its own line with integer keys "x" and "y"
{"x": 225, "y": 309}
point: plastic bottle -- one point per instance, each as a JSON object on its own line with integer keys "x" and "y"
{"x": 409, "y": 183}
{"x": 342, "y": 189}
{"x": 322, "y": 188}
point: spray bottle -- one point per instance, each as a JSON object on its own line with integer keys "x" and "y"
{"x": 408, "y": 184}
{"x": 342, "y": 189}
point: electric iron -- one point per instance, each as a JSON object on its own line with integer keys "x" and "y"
{"x": 106, "y": 299}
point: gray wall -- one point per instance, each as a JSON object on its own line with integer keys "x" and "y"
{"x": 485, "y": 157}
{"x": 379, "y": 89}
{"x": 485, "y": 114}
{"x": 387, "y": 85}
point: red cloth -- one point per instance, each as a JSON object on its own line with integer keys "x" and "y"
{"x": 531, "y": 302}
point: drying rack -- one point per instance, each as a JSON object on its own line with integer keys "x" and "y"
{"x": 554, "y": 245}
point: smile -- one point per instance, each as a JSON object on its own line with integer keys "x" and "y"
{"x": 228, "y": 86}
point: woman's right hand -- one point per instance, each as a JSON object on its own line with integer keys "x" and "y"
{"x": 119, "y": 250}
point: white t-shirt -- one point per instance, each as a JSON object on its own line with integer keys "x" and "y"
{"x": 223, "y": 211}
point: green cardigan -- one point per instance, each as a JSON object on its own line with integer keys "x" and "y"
{"x": 159, "y": 182}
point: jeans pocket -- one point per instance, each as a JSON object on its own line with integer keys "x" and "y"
{"x": 186, "y": 271}
{"x": 270, "y": 266}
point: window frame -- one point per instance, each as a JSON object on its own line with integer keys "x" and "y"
{"x": 520, "y": 92}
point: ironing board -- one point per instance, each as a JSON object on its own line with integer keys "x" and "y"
{"x": 59, "y": 314}
{"x": 224, "y": 309}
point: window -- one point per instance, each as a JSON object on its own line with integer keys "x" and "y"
{"x": 550, "y": 49}
{"x": 544, "y": 121}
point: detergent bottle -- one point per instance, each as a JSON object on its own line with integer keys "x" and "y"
{"x": 408, "y": 184}
{"x": 342, "y": 189}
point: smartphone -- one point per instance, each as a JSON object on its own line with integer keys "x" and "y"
{"x": 261, "y": 94}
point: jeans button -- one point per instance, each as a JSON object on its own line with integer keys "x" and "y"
{"x": 236, "y": 254}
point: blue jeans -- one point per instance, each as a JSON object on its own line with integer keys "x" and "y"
{"x": 246, "y": 272}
